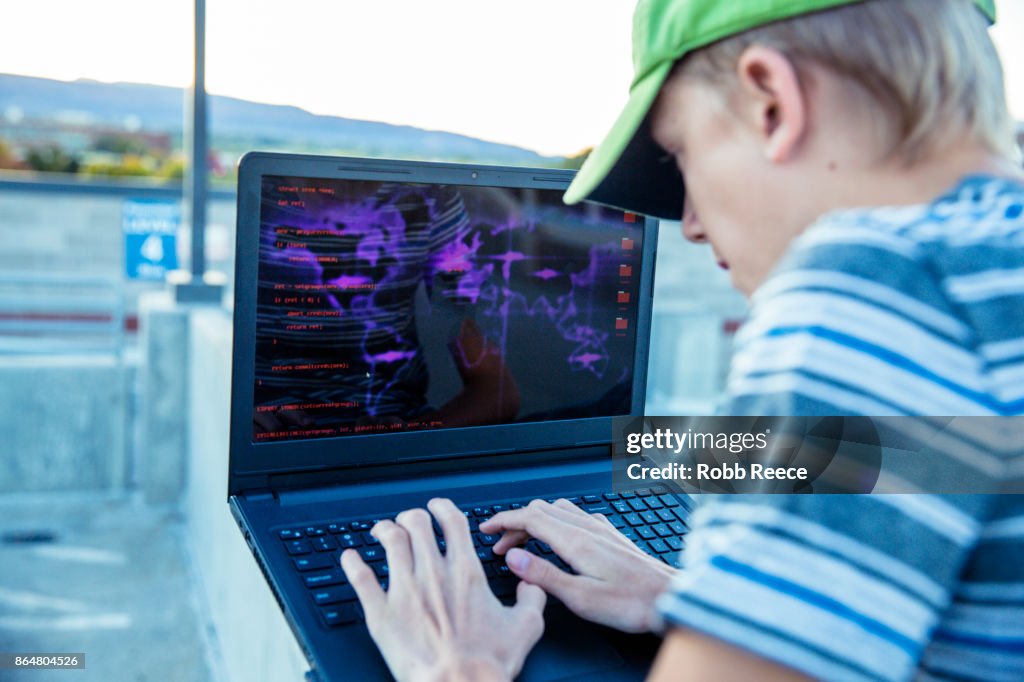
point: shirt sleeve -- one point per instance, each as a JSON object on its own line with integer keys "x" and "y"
{"x": 839, "y": 587}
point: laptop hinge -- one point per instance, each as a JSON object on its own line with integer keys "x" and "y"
{"x": 448, "y": 480}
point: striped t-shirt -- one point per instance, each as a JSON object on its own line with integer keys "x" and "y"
{"x": 894, "y": 311}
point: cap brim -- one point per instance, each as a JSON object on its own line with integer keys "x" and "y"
{"x": 628, "y": 171}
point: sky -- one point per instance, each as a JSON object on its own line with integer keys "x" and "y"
{"x": 548, "y": 75}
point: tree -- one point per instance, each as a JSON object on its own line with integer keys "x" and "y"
{"x": 51, "y": 159}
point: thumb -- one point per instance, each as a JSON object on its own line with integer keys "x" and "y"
{"x": 542, "y": 573}
{"x": 530, "y": 597}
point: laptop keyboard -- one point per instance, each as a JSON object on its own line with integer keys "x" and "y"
{"x": 652, "y": 518}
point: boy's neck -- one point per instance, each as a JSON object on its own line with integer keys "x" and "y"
{"x": 895, "y": 184}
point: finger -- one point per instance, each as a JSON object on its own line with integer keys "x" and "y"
{"x": 395, "y": 542}
{"x": 370, "y": 594}
{"x": 571, "y": 589}
{"x": 570, "y": 513}
{"x": 538, "y": 520}
{"x": 426, "y": 558}
{"x": 530, "y": 596}
{"x": 510, "y": 539}
{"x": 529, "y": 609}
{"x": 455, "y": 528}
{"x": 610, "y": 527}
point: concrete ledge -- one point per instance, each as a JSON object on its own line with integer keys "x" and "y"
{"x": 255, "y": 642}
{"x": 63, "y": 420}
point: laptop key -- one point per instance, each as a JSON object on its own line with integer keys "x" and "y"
{"x": 315, "y": 562}
{"x": 334, "y": 595}
{"x": 342, "y": 614}
{"x": 332, "y": 577}
{"x": 662, "y": 530}
{"x": 315, "y": 531}
{"x": 633, "y": 519}
{"x": 665, "y": 515}
{"x": 622, "y": 507}
{"x": 488, "y": 539}
{"x": 290, "y": 534}
{"x": 336, "y": 528}
{"x": 296, "y": 547}
{"x": 658, "y": 545}
{"x": 649, "y": 517}
{"x": 646, "y": 533}
{"x": 675, "y": 543}
{"x": 360, "y": 525}
{"x": 349, "y": 540}
{"x": 616, "y": 520}
{"x": 611, "y": 496}
{"x": 678, "y": 527}
{"x": 654, "y": 503}
{"x": 380, "y": 568}
{"x": 630, "y": 534}
{"x": 324, "y": 543}
{"x": 369, "y": 539}
{"x": 371, "y": 553}
{"x": 637, "y": 504}
{"x": 669, "y": 500}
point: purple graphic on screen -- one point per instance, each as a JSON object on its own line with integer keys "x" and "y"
{"x": 546, "y": 274}
{"x": 367, "y": 267}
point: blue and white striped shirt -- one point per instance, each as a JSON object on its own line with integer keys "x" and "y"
{"x": 892, "y": 311}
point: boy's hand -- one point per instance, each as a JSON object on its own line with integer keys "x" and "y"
{"x": 438, "y": 619}
{"x": 616, "y": 584}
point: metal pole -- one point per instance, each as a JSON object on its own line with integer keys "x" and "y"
{"x": 196, "y": 162}
{"x": 197, "y": 288}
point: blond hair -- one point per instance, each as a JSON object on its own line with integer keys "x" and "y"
{"x": 929, "y": 64}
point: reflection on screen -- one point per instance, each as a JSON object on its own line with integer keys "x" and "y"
{"x": 387, "y": 307}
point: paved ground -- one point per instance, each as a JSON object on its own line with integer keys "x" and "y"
{"x": 114, "y": 584}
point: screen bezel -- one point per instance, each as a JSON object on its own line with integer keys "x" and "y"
{"x": 254, "y": 462}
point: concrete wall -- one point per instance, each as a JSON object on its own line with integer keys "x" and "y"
{"x": 63, "y": 423}
{"x": 255, "y": 643}
{"x": 161, "y": 435}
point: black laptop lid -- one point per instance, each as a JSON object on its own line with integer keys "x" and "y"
{"x": 391, "y": 311}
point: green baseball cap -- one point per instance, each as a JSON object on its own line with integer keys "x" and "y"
{"x": 628, "y": 170}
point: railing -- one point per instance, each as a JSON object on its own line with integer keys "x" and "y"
{"x": 55, "y": 313}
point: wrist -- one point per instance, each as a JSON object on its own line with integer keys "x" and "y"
{"x": 470, "y": 669}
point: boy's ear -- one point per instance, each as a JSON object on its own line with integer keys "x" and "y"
{"x": 772, "y": 101}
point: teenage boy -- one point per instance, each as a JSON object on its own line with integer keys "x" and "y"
{"x": 852, "y": 164}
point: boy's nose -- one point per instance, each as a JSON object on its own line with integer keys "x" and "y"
{"x": 692, "y": 229}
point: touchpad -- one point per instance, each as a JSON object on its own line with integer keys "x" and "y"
{"x": 570, "y": 648}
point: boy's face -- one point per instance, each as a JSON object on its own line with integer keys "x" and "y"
{"x": 747, "y": 206}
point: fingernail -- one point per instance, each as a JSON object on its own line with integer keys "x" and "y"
{"x": 517, "y": 560}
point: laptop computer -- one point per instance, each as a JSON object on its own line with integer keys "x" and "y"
{"x": 406, "y": 330}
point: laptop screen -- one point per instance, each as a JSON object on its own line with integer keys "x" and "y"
{"x": 388, "y": 307}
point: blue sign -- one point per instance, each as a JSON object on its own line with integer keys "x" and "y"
{"x": 150, "y": 237}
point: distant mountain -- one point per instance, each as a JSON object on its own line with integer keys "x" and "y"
{"x": 159, "y": 108}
